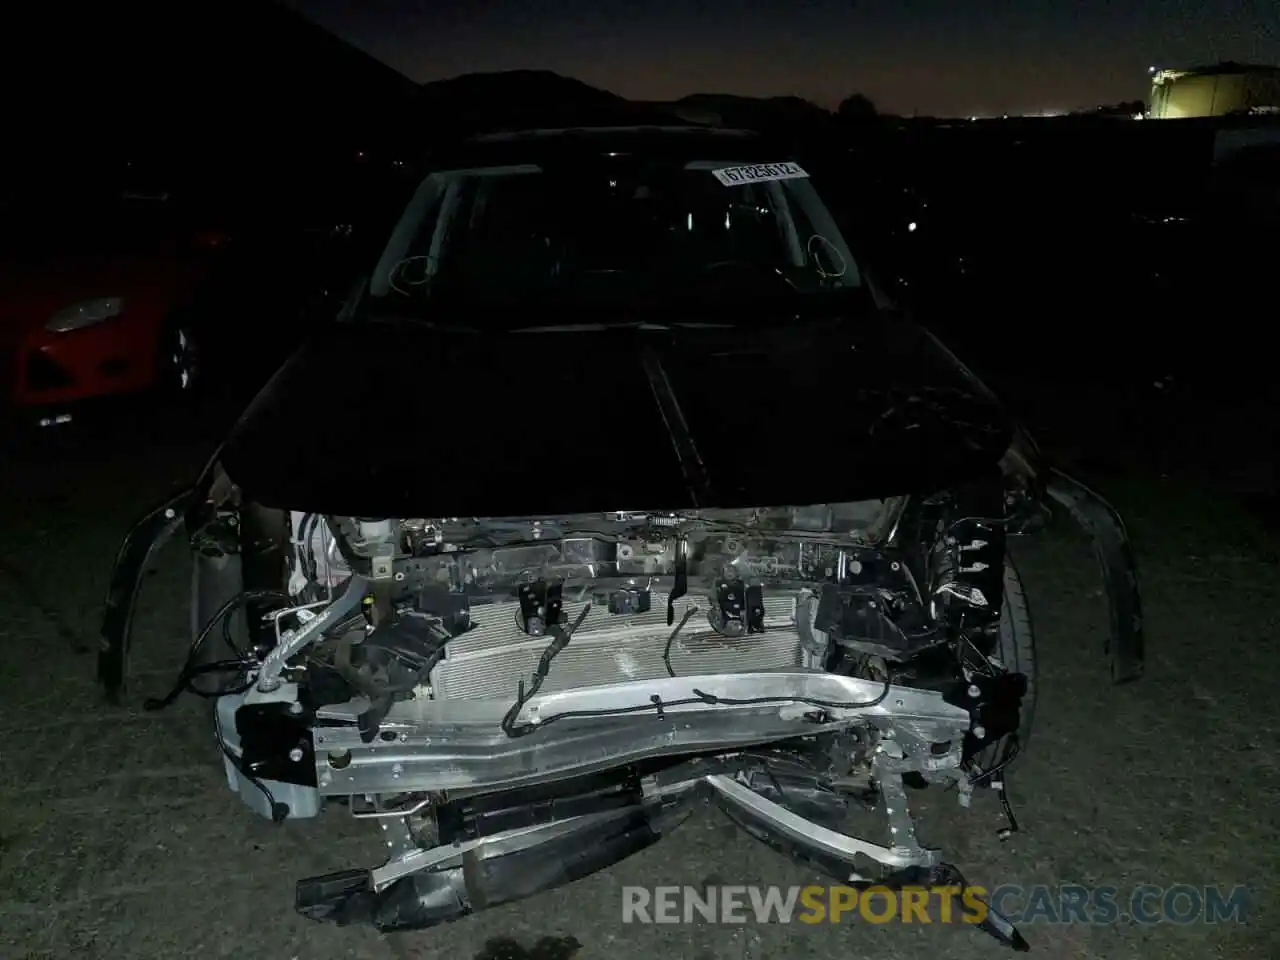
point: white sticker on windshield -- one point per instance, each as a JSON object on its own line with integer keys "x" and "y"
{"x": 758, "y": 172}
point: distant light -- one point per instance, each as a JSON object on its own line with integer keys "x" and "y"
{"x": 55, "y": 421}
{"x": 1139, "y": 116}
{"x": 911, "y": 227}
{"x": 973, "y": 118}
{"x": 1151, "y": 69}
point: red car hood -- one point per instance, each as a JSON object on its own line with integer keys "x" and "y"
{"x": 30, "y": 293}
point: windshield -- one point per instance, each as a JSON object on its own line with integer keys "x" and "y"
{"x": 612, "y": 229}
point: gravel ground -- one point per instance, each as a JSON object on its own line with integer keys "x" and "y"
{"x": 119, "y": 839}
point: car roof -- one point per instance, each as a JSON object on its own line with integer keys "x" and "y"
{"x": 689, "y": 142}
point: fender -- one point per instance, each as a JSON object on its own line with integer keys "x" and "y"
{"x": 1034, "y": 487}
{"x": 1126, "y": 644}
{"x": 192, "y": 507}
{"x": 140, "y": 544}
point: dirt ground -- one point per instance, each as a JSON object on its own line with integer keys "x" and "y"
{"x": 119, "y": 839}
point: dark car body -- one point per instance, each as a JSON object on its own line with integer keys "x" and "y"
{"x": 586, "y": 429}
{"x": 656, "y": 396}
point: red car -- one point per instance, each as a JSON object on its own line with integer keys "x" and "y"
{"x": 96, "y": 300}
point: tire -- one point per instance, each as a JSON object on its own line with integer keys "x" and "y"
{"x": 1016, "y": 649}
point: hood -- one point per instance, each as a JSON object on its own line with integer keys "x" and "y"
{"x": 30, "y": 293}
{"x": 403, "y": 422}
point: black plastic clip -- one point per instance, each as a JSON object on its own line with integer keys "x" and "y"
{"x": 755, "y": 608}
{"x": 731, "y": 600}
{"x": 629, "y": 601}
{"x": 541, "y": 606}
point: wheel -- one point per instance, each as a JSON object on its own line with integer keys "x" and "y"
{"x": 1016, "y": 649}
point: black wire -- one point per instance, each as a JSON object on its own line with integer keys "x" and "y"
{"x": 700, "y": 696}
{"x": 312, "y": 566}
{"x": 241, "y": 666}
{"x": 560, "y": 641}
{"x": 666, "y": 651}
{"x": 983, "y": 521}
{"x": 300, "y": 546}
{"x": 228, "y": 639}
{"x": 279, "y": 811}
{"x": 811, "y": 701}
{"x": 1010, "y": 755}
{"x": 191, "y": 669}
{"x": 1003, "y": 791}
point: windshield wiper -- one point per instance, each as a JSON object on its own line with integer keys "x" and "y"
{"x": 621, "y": 325}
{"x": 386, "y": 318}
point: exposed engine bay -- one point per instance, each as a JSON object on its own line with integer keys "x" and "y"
{"x": 518, "y": 702}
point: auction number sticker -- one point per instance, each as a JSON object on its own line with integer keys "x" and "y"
{"x": 758, "y": 173}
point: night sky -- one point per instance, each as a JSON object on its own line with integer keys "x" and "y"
{"x": 938, "y": 57}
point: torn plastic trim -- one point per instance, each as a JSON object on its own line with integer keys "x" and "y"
{"x": 456, "y": 881}
{"x": 192, "y": 507}
{"x": 140, "y": 544}
{"x": 489, "y": 872}
{"x": 1126, "y": 643}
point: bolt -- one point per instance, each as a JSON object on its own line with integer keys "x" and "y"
{"x": 974, "y": 691}
{"x": 296, "y": 754}
{"x": 397, "y": 769}
{"x": 295, "y": 708}
{"x": 980, "y": 732}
